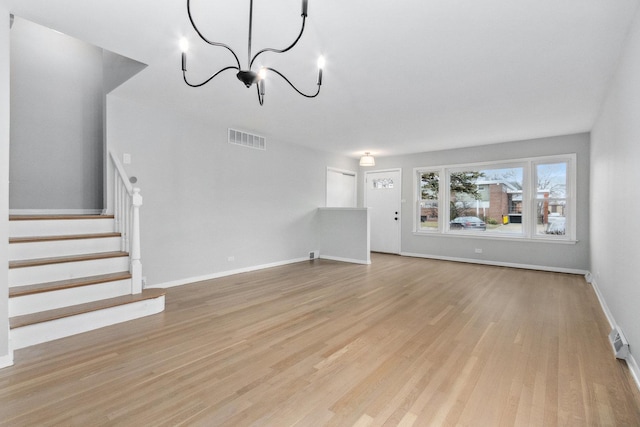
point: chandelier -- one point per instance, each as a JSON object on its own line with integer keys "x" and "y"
{"x": 247, "y": 75}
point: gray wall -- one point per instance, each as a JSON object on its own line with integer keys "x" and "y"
{"x": 540, "y": 254}
{"x": 56, "y": 120}
{"x": 343, "y": 234}
{"x": 5, "y": 357}
{"x": 206, "y": 200}
{"x": 615, "y": 174}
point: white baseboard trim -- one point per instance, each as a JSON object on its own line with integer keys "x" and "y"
{"x": 603, "y": 304}
{"x": 634, "y": 368}
{"x": 498, "y": 263}
{"x": 55, "y": 211}
{"x": 351, "y": 260}
{"x": 6, "y": 361}
{"x": 220, "y": 274}
{"x": 631, "y": 361}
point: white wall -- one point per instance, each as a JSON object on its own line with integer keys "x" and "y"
{"x": 56, "y": 120}
{"x": 563, "y": 257}
{"x": 615, "y": 201}
{"x": 5, "y": 357}
{"x": 206, "y": 200}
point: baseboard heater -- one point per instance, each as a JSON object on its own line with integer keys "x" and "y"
{"x": 619, "y": 343}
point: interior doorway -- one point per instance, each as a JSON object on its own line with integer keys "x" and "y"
{"x": 341, "y": 188}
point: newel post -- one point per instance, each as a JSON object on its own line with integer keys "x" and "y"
{"x": 136, "y": 265}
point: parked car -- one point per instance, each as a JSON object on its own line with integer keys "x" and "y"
{"x": 467, "y": 223}
{"x": 556, "y": 225}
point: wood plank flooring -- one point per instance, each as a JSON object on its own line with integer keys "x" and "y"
{"x": 404, "y": 341}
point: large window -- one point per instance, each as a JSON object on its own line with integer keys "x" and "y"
{"x": 526, "y": 198}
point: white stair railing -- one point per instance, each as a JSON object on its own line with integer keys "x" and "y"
{"x": 127, "y": 202}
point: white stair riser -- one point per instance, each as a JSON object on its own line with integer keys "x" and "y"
{"x": 66, "y": 270}
{"x": 47, "y": 249}
{"x": 59, "y": 328}
{"x": 58, "y": 227}
{"x": 35, "y": 303}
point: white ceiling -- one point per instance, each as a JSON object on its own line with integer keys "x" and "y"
{"x": 401, "y": 77}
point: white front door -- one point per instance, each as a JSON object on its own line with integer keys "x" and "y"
{"x": 382, "y": 195}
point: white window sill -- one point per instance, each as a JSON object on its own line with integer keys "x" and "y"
{"x": 495, "y": 237}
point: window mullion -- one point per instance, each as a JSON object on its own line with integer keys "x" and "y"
{"x": 444, "y": 196}
{"x": 528, "y": 194}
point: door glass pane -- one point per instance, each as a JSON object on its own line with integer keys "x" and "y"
{"x": 382, "y": 183}
{"x": 487, "y": 201}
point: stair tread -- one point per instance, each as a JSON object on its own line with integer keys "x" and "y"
{"x": 32, "y": 239}
{"x": 18, "y": 291}
{"x": 60, "y": 313}
{"x": 63, "y": 259}
{"x": 61, "y": 217}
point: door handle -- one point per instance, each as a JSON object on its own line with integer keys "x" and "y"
{"x": 396, "y": 218}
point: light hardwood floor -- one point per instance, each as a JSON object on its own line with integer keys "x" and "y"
{"x": 403, "y": 341}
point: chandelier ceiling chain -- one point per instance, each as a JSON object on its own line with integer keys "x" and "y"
{"x": 248, "y": 76}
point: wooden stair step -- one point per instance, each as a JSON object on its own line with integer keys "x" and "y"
{"x": 18, "y": 291}
{"x": 60, "y": 313}
{"x": 63, "y": 259}
{"x": 33, "y": 239}
{"x": 61, "y": 217}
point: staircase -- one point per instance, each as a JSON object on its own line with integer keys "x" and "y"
{"x": 67, "y": 275}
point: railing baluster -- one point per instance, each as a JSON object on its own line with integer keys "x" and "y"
{"x": 123, "y": 218}
{"x": 136, "y": 265}
{"x": 116, "y": 198}
{"x": 126, "y": 210}
{"x": 126, "y": 216}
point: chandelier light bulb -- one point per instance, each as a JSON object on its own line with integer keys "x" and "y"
{"x": 184, "y": 45}
{"x": 262, "y": 75}
{"x": 321, "y": 63}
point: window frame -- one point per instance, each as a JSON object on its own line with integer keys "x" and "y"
{"x": 418, "y": 216}
{"x": 529, "y": 198}
{"x": 510, "y": 164}
{"x": 570, "y": 199}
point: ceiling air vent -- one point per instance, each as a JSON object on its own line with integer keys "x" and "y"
{"x": 245, "y": 139}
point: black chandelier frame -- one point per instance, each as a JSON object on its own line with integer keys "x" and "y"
{"x": 248, "y": 76}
